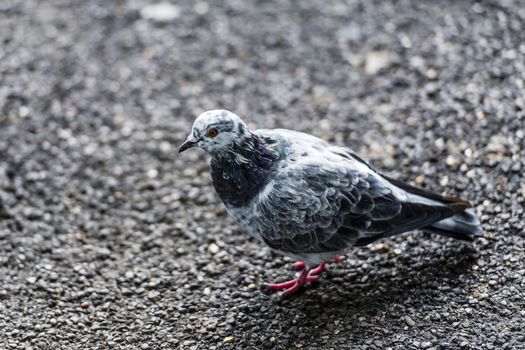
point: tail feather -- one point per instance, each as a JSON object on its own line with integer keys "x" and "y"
{"x": 464, "y": 224}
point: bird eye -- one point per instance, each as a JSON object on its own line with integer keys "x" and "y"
{"x": 212, "y": 132}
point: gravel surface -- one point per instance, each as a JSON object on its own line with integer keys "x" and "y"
{"x": 109, "y": 239}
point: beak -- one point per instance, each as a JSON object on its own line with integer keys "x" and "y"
{"x": 187, "y": 144}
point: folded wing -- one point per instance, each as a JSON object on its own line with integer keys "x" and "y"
{"x": 318, "y": 207}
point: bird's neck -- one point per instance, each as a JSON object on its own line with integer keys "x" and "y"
{"x": 242, "y": 170}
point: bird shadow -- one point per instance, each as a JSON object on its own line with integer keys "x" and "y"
{"x": 420, "y": 284}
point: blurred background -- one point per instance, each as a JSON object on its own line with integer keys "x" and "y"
{"x": 109, "y": 239}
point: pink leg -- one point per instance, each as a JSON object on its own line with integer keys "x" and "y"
{"x": 315, "y": 271}
{"x": 292, "y": 286}
{"x": 312, "y": 275}
{"x": 305, "y": 275}
{"x": 299, "y": 265}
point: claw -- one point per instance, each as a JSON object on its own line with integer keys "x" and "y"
{"x": 282, "y": 285}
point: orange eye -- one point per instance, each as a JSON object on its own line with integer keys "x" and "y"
{"x": 212, "y": 132}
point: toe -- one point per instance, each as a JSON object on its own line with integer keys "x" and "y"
{"x": 317, "y": 270}
{"x": 282, "y": 285}
{"x": 292, "y": 290}
{"x": 310, "y": 278}
{"x": 299, "y": 265}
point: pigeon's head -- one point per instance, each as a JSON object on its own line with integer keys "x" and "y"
{"x": 215, "y": 131}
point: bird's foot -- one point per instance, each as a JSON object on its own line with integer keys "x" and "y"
{"x": 305, "y": 275}
{"x": 292, "y": 286}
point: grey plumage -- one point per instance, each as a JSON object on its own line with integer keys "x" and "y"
{"x": 311, "y": 200}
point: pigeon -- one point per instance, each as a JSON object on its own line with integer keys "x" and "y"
{"x": 310, "y": 200}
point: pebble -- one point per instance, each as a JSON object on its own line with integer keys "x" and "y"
{"x": 213, "y": 248}
{"x": 376, "y": 60}
{"x": 228, "y": 340}
{"x": 153, "y": 173}
{"x": 153, "y": 294}
{"x": 160, "y": 12}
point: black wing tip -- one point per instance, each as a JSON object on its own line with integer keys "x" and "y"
{"x": 459, "y": 207}
{"x": 456, "y": 200}
{"x": 427, "y": 193}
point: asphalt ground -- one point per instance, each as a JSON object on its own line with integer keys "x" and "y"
{"x": 110, "y": 239}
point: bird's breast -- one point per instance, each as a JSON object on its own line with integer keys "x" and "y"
{"x": 237, "y": 185}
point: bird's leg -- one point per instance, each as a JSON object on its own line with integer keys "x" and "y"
{"x": 299, "y": 265}
{"x": 292, "y": 286}
{"x": 305, "y": 275}
{"x": 317, "y": 270}
{"x": 312, "y": 274}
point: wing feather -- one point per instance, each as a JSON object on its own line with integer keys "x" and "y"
{"x": 314, "y": 208}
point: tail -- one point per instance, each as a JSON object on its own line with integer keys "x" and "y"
{"x": 464, "y": 224}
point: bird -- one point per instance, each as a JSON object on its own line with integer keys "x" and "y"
{"x": 312, "y": 201}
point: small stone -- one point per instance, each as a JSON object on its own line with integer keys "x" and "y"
{"x": 152, "y": 173}
{"x": 431, "y": 74}
{"x": 160, "y": 12}
{"x": 376, "y": 60}
{"x": 165, "y": 146}
{"x": 85, "y": 305}
{"x": 201, "y": 8}
{"x": 53, "y": 276}
{"x": 153, "y": 294}
{"x": 213, "y": 248}
{"x": 409, "y": 321}
{"x": 228, "y": 340}
{"x": 23, "y": 111}
{"x": 452, "y": 161}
